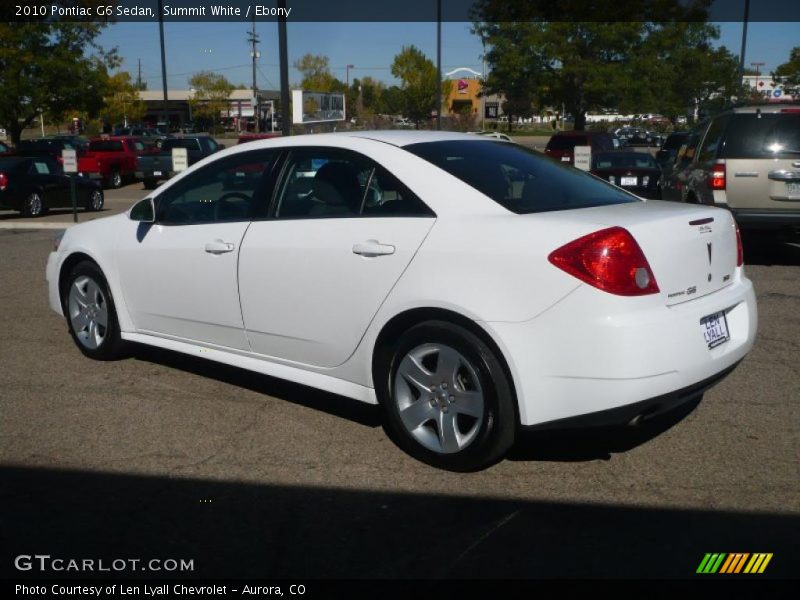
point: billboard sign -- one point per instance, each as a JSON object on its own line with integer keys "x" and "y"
{"x": 316, "y": 107}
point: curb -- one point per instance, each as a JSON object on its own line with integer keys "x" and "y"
{"x": 46, "y": 225}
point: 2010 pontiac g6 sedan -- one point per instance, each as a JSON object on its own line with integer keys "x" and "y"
{"x": 470, "y": 286}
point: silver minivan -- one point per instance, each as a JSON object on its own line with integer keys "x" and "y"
{"x": 746, "y": 160}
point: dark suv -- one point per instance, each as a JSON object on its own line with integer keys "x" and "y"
{"x": 562, "y": 145}
{"x": 746, "y": 160}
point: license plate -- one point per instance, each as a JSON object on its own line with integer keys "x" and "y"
{"x": 793, "y": 190}
{"x": 627, "y": 181}
{"x": 715, "y": 329}
{"x": 156, "y": 172}
{"x": 565, "y": 159}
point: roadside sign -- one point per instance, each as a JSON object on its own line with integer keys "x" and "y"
{"x": 583, "y": 157}
{"x": 3, "y": 135}
{"x": 180, "y": 159}
{"x": 316, "y": 107}
{"x": 70, "y": 158}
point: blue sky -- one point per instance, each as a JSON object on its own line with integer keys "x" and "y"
{"x": 371, "y": 47}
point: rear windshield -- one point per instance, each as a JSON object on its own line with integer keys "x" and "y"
{"x": 564, "y": 142}
{"x": 519, "y": 179}
{"x": 105, "y": 146}
{"x": 637, "y": 160}
{"x": 769, "y": 135}
{"x": 188, "y": 143}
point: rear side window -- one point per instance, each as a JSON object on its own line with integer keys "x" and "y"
{"x": 711, "y": 143}
{"x": 519, "y": 179}
{"x": 765, "y": 136}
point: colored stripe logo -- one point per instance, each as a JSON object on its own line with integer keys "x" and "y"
{"x": 733, "y": 563}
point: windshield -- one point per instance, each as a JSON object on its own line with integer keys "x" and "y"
{"x": 519, "y": 179}
{"x": 566, "y": 142}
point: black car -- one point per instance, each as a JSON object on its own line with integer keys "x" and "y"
{"x": 79, "y": 142}
{"x": 34, "y": 184}
{"x": 669, "y": 149}
{"x": 636, "y": 172}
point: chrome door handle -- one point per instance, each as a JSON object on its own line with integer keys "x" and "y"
{"x": 218, "y": 247}
{"x": 373, "y": 248}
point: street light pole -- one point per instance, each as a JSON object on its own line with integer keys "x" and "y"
{"x": 163, "y": 63}
{"x": 439, "y": 64}
{"x": 286, "y": 126}
{"x": 744, "y": 37}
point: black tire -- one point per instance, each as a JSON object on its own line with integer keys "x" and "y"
{"x": 34, "y": 205}
{"x": 115, "y": 179}
{"x": 149, "y": 184}
{"x": 493, "y": 436}
{"x": 112, "y": 346}
{"x": 95, "y": 205}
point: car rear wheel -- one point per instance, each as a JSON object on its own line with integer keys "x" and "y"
{"x": 96, "y": 201}
{"x": 91, "y": 314}
{"x": 149, "y": 184}
{"x": 34, "y": 205}
{"x": 447, "y": 397}
{"x": 115, "y": 180}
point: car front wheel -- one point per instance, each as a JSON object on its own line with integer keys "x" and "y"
{"x": 91, "y": 314}
{"x": 448, "y": 399}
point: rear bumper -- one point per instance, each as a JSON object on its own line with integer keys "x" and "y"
{"x": 152, "y": 175}
{"x": 646, "y": 409}
{"x": 594, "y": 352}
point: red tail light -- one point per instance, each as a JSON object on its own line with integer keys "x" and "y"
{"x": 717, "y": 181}
{"x": 3, "y": 181}
{"x": 610, "y": 260}
{"x": 739, "y": 247}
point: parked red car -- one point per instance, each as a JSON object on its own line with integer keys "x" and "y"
{"x": 251, "y": 137}
{"x": 111, "y": 159}
{"x": 562, "y": 145}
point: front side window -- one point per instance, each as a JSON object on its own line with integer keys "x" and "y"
{"x": 233, "y": 189}
{"x": 325, "y": 182}
{"x": 519, "y": 179}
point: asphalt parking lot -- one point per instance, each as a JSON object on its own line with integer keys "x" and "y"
{"x": 163, "y": 455}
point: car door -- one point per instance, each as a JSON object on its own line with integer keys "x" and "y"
{"x": 45, "y": 172}
{"x": 179, "y": 274}
{"x": 313, "y": 275}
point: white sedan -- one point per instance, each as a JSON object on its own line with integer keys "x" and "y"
{"x": 469, "y": 286}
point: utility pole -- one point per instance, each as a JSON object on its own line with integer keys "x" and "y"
{"x": 253, "y": 40}
{"x": 744, "y": 37}
{"x": 286, "y": 124}
{"x": 163, "y": 63}
{"x": 139, "y": 76}
{"x": 439, "y": 64}
{"x": 758, "y": 66}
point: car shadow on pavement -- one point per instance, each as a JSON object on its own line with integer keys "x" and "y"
{"x": 236, "y": 530}
{"x": 346, "y": 408}
{"x": 769, "y": 249}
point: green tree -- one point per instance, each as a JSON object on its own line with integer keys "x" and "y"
{"x": 679, "y": 70}
{"x": 211, "y": 96}
{"x": 418, "y": 76}
{"x": 514, "y": 75}
{"x": 121, "y": 100}
{"x": 317, "y": 75}
{"x": 788, "y": 73}
{"x": 391, "y": 101}
{"x": 50, "y": 68}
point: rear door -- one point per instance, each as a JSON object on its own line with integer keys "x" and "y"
{"x": 762, "y": 160}
{"x": 314, "y": 274}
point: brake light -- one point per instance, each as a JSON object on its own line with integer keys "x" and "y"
{"x": 610, "y": 260}
{"x": 3, "y": 182}
{"x": 739, "y": 246}
{"x": 717, "y": 181}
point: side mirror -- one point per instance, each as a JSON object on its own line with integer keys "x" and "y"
{"x": 220, "y": 147}
{"x": 143, "y": 211}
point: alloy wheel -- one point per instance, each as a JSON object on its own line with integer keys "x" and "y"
{"x": 88, "y": 312}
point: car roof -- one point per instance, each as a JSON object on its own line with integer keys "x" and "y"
{"x": 400, "y": 138}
